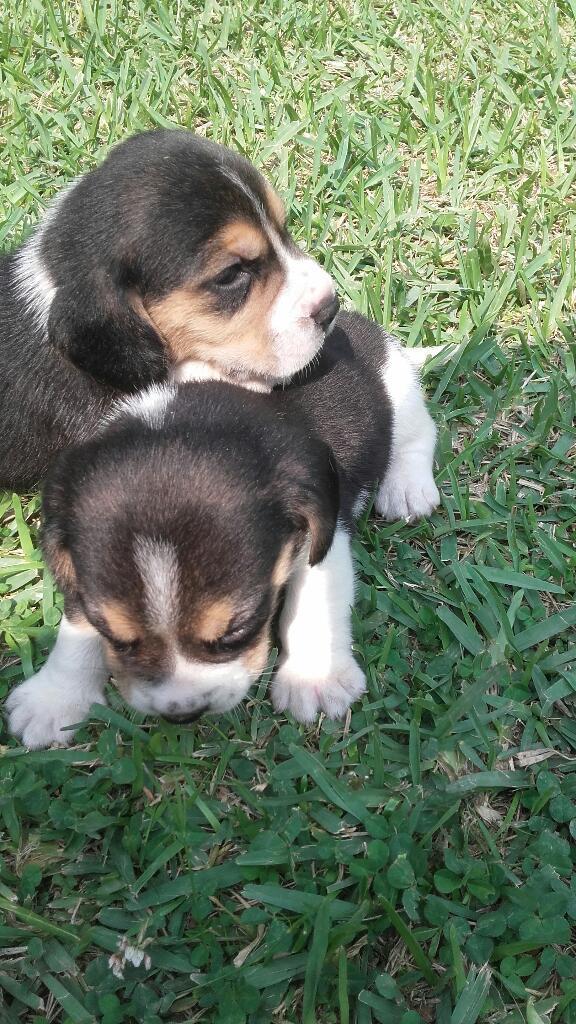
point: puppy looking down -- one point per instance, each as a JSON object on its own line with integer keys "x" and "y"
{"x": 175, "y": 532}
{"x": 172, "y": 257}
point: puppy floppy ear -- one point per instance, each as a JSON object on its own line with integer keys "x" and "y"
{"x": 313, "y": 500}
{"x": 105, "y": 331}
{"x": 59, "y": 560}
{"x": 57, "y": 505}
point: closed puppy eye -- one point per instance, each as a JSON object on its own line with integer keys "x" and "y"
{"x": 124, "y": 646}
{"x": 234, "y": 638}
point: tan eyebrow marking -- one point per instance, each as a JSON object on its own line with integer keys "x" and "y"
{"x": 120, "y": 621}
{"x": 241, "y": 239}
{"x": 214, "y": 618}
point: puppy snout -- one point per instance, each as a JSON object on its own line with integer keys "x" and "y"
{"x": 185, "y": 718}
{"x": 326, "y": 312}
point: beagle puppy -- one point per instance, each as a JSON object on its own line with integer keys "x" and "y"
{"x": 171, "y": 257}
{"x": 197, "y": 514}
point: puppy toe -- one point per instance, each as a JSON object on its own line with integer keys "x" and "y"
{"x": 407, "y": 493}
{"x": 304, "y": 697}
{"x": 38, "y": 714}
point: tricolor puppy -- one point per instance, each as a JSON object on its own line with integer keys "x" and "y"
{"x": 175, "y": 533}
{"x": 174, "y": 251}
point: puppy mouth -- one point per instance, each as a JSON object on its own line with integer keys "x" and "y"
{"x": 330, "y": 327}
{"x": 325, "y": 317}
{"x": 186, "y": 718}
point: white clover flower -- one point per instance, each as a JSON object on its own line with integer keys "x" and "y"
{"x": 127, "y": 953}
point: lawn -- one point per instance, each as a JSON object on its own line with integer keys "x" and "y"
{"x": 417, "y": 864}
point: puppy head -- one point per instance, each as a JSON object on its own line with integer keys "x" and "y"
{"x": 175, "y": 250}
{"x": 177, "y": 550}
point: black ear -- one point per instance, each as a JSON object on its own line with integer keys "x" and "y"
{"x": 313, "y": 498}
{"x": 57, "y": 510}
{"x": 105, "y": 332}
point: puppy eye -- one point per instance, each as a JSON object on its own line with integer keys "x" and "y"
{"x": 233, "y": 276}
{"x": 236, "y": 635}
{"x": 124, "y": 646}
{"x": 234, "y": 639}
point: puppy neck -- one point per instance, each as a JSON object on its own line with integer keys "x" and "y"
{"x": 195, "y": 370}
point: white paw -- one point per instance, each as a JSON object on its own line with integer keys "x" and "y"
{"x": 407, "y": 492}
{"x": 39, "y": 709}
{"x": 305, "y": 696}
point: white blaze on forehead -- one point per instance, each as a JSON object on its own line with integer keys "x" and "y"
{"x": 157, "y": 563}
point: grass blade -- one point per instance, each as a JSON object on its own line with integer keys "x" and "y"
{"x": 315, "y": 963}
{"x": 472, "y": 998}
{"x": 420, "y": 958}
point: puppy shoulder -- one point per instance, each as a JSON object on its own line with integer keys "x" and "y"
{"x": 369, "y": 341}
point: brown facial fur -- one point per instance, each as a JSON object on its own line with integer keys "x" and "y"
{"x": 153, "y": 657}
{"x": 213, "y": 619}
{"x": 115, "y": 666}
{"x": 193, "y": 330}
{"x": 61, "y": 564}
{"x": 239, "y": 239}
{"x": 121, "y": 623}
{"x": 275, "y": 207}
{"x": 139, "y": 308}
{"x": 283, "y": 565}
{"x": 255, "y": 658}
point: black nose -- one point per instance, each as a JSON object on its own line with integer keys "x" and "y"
{"x": 326, "y": 313}
{"x": 187, "y": 719}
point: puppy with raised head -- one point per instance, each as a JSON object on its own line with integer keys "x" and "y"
{"x": 172, "y": 260}
{"x": 171, "y": 257}
{"x": 175, "y": 533}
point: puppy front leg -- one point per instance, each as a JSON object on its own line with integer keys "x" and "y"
{"x": 61, "y": 693}
{"x": 408, "y": 490}
{"x": 317, "y": 669}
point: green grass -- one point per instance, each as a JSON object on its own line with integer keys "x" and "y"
{"x": 418, "y": 865}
